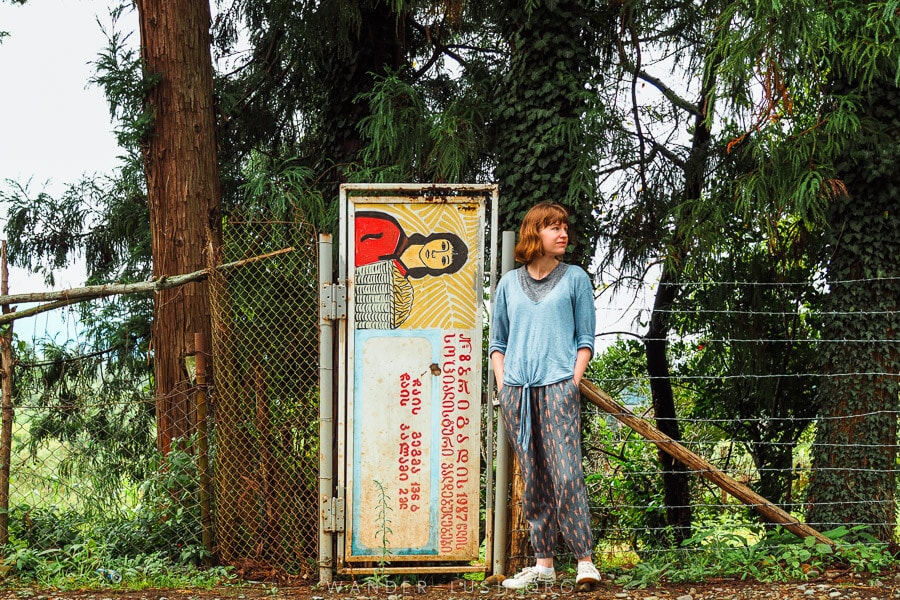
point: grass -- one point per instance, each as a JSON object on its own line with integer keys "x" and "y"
{"x": 775, "y": 556}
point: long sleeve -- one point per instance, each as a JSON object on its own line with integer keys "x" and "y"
{"x": 499, "y": 321}
{"x": 585, "y": 312}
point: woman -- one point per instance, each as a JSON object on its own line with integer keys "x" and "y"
{"x": 542, "y": 338}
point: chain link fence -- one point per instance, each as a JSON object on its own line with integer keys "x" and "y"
{"x": 265, "y": 399}
{"x": 83, "y": 455}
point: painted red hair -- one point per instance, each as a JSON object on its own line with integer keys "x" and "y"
{"x": 539, "y": 216}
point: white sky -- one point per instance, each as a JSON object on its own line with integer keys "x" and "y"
{"x": 53, "y": 128}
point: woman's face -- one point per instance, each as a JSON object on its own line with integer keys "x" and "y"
{"x": 554, "y": 239}
{"x": 436, "y": 254}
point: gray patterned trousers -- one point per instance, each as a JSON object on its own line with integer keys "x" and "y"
{"x": 555, "y": 499}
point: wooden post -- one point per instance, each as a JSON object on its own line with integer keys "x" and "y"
{"x": 700, "y": 465}
{"x": 6, "y": 412}
{"x": 203, "y": 446}
{"x": 62, "y": 298}
{"x": 519, "y": 529}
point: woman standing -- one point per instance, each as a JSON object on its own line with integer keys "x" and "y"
{"x": 542, "y": 338}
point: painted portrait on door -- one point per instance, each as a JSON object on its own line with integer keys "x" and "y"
{"x": 412, "y": 265}
{"x": 416, "y": 311}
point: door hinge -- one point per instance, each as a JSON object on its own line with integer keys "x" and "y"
{"x": 333, "y": 301}
{"x": 333, "y": 514}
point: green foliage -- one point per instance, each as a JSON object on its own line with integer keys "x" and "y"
{"x": 103, "y": 420}
{"x": 153, "y": 544}
{"x": 283, "y": 191}
{"x": 723, "y": 550}
{"x": 384, "y": 531}
{"x": 624, "y": 479}
{"x": 754, "y": 371}
{"x": 120, "y": 74}
{"x": 96, "y": 395}
{"x": 91, "y": 566}
{"x": 414, "y": 137}
{"x": 625, "y": 490}
{"x": 166, "y": 519}
{"x": 799, "y": 127}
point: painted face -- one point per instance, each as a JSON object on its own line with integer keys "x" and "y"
{"x": 436, "y": 254}
{"x": 554, "y": 239}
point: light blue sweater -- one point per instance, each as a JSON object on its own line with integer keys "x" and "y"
{"x": 540, "y": 340}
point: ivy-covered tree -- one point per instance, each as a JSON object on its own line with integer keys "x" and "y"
{"x": 545, "y": 149}
{"x": 822, "y": 134}
{"x": 855, "y": 452}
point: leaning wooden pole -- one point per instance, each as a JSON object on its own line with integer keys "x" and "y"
{"x": 62, "y": 298}
{"x": 6, "y": 410}
{"x": 700, "y": 465}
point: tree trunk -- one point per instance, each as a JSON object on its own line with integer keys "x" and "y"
{"x": 676, "y": 485}
{"x": 375, "y": 49}
{"x": 854, "y": 457}
{"x": 519, "y": 530}
{"x": 7, "y": 413}
{"x": 183, "y": 191}
{"x": 675, "y": 476}
{"x": 539, "y": 96}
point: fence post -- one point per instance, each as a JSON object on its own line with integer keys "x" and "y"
{"x": 501, "y": 499}
{"x": 326, "y": 416}
{"x": 6, "y": 374}
{"x": 203, "y": 444}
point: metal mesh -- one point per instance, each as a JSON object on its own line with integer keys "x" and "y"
{"x": 84, "y": 463}
{"x": 265, "y": 397}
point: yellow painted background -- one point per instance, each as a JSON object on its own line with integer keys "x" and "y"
{"x": 445, "y": 301}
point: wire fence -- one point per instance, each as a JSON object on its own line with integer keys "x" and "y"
{"x": 747, "y": 385}
{"x": 83, "y": 443}
{"x": 266, "y": 351}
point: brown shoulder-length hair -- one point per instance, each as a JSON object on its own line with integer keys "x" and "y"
{"x": 539, "y": 216}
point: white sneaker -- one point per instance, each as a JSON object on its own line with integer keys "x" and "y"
{"x": 530, "y": 576}
{"x": 587, "y": 573}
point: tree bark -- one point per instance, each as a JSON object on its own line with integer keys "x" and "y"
{"x": 675, "y": 476}
{"x": 676, "y": 484}
{"x": 856, "y": 447}
{"x": 7, "y": 413}
{"x": 183, "y": 190}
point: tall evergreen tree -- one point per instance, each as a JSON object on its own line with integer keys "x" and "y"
{"x": 182, "y": 173}
{"x": 824, "y": 130}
